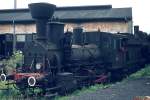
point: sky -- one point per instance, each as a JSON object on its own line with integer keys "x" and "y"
{"x": 140, "y": 8}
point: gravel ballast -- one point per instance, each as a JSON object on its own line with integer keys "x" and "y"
{"x": 126, "y": 90}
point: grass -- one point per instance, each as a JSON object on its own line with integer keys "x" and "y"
{"x": 83, "y": 90}
{"x": 144, "y": 72}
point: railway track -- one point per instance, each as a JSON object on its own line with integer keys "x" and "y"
{"x": 47, "y": 96}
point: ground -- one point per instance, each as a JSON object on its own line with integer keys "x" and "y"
{"x": 125, "y": 90}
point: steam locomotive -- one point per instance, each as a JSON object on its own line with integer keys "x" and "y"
{"x": 63, "y": 61}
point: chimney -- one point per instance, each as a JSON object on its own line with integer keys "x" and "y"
{"x": 136, "y": 29}
{"x": 78, "y": 36}
{"x": 41, "y": 12}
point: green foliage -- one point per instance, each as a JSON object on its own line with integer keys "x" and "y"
{"x": 145, "y": 72}
{"x": 7, "y": 92}
{"x": 14, "y": 59}
{"x": 11, "y": 63}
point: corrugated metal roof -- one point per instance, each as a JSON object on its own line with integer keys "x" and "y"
{"x": 104, "y": 13}
{"x": 71, "y": 13}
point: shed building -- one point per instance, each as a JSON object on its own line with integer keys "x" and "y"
{"x": 91, "y": 18}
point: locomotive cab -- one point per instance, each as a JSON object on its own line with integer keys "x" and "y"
{"x": 120, "y": 52}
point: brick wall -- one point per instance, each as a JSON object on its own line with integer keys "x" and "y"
{"x": 103, "y": 26}
{"x": 20, "y": 28}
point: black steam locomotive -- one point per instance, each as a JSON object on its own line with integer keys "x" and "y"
{"x": 58, "y": 61}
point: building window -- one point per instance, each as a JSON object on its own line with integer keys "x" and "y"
{"x": 21, "y": 38}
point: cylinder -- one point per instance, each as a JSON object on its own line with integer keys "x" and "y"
{"x": 41, "y": 12}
